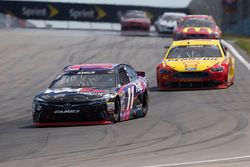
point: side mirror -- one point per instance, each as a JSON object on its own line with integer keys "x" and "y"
{"x": 141, "y": 73}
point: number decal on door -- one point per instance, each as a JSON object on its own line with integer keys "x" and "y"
{"x": 130, "y": 98}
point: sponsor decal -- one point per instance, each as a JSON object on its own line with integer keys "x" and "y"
{"x": 97, "y": 13}
{"x": 191, "y": 68}
{"x": 86, "y": 72}
{"x": 50, "y": 11}
{"x": 76, "y": 14}
{"x": 62, "y": 90}
{"x": 191, "y": 63}
{"x": 110, "y": 106}
{"x": 184, "y": 59}
{"x": 91, "y": 92}
{"x": 208, "y": 58}
{"x": 66, "y": 111}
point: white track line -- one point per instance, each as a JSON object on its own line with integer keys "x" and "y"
{"x": 202, "y": 162}
{"x": 236, "y": 54}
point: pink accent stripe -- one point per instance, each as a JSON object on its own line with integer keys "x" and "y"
{"x": 72, "y": 123}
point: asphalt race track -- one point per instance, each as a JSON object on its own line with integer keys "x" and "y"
{"x": 181, "y": 127}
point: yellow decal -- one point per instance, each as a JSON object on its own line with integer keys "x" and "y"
{"x": 53, "y": 11}
{"x": 197, "y": 29}
{"x": 100, "y": 13}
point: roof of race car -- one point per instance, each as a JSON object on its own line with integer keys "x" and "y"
{"x": 90, "y": 67}
{"x": 197, "y": 16}
{"x": 173, "y": 14}
{"x": 196, "y": 42}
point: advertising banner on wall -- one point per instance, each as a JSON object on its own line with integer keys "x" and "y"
{"x": 75, "y": 12}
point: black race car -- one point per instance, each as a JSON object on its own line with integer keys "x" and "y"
{"x": 92, "y": 94}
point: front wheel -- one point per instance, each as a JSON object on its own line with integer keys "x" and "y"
{"x": 116, "y": 115}
{"x": 145, "y": 105}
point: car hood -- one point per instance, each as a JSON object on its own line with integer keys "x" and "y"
{"x": 69, "y": 95}
{"x": 192, "y": 64}
{"x": 168, "y": 23}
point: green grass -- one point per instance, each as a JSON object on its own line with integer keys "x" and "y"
{"x": 242, "y": 42}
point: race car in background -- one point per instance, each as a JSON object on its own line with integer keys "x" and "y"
{"x": 92, "y": 94}
{"x": 197, "y": 27}
{"x": 136, "y": 20}
{"x": 167, "y": 22}
{"x": 190, "y": 64}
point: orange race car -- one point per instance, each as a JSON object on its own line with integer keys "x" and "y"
{"x": 197, "y": 27}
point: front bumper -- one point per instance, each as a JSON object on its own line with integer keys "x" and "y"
{"x": 135, "y": 26}
{"x": 56, "y": 114}
{"x": 165, "y": 30}
{"x": 191, "y": 80}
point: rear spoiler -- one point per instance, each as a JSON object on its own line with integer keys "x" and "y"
{"x": 141, "y": 73}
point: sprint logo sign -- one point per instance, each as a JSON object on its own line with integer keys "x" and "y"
{"x": 92, "y": 14}
{"x": 48, "y": 11}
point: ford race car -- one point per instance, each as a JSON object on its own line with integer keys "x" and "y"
{"x": 92, "y": 94}
{"x": 135, "y": 20}
{"x": 197, "y": 27}
{"x": 198, "y": 64}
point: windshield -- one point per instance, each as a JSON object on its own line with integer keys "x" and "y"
{"x": 197, "y": 23}
{"x": 194, "y": 51}
{"x": 171, "y": 18}
{"x": 84, "y": 80}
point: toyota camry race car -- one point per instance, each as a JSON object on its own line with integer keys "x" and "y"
{"x": 195, "y": 64}
{"x": 92, "y": 94}
{"x": 197, "y": 27}
{"x": 135, "y": 20}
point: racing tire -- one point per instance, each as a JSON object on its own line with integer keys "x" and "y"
{"x": 226, "y": 81}
{"x": 116, "y": 115}
{"x": 145, "y": 105}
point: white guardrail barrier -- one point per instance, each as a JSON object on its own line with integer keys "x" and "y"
{"x": 236, "y": 54}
